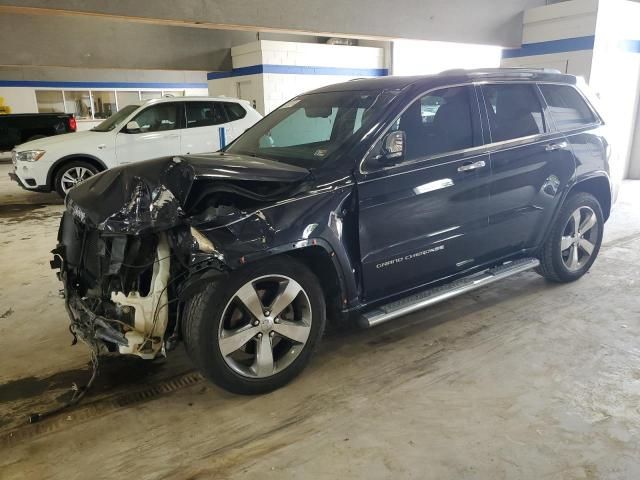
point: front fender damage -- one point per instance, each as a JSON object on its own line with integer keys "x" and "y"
{"x": 135, "y": 243}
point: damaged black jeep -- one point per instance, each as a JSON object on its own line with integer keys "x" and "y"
{"x": 360, "y": 201}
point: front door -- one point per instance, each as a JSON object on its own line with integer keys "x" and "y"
{"x": 158, "y": 134}
{"x": 422, "y": 219}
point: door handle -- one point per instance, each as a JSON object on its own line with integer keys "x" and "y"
{"x": 173, "y": 135}
{"x": 552, "y": 147}
{"x": 467, "y": 167}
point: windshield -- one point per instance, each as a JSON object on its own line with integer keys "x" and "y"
{"x": 116, "y": 119}
{"x": 306, "y": 130}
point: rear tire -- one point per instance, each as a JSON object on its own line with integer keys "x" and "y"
{"x": 242, "y": 346}
{"x": 72, "y": 173}
{"x": 574, "y": 241}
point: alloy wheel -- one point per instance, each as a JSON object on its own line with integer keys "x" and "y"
{"x": 265, "y": 326}
{"x": 73, "y": 176}
{"x": 579, "y": 238}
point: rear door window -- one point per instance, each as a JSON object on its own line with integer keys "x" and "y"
{"x": 567, "y": 107}
{"x": 204, "y": 114}
{"x": 514, "y": 111}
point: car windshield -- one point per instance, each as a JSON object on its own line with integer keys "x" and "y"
{"x": 116, "y": 119}
{"x": 305, "y": 131}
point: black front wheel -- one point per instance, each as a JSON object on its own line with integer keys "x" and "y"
{"x": 255, "y": 331}
{"x": 574, "y": 241}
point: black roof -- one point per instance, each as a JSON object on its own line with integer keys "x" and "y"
{"x": 450, "y": 76}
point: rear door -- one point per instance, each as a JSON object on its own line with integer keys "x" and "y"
{"x": 206, "y": 127}
{"x": 531, "y": 163}
{"x": 158, "y": 135}
{"x": 422, "y": 219}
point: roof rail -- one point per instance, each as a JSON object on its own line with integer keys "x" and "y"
{"x": 462, "y": 71}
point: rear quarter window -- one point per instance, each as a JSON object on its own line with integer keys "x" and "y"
{"x": 234, "y": 111}
{"x": 567, "y": 107}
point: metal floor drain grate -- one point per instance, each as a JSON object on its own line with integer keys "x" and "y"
{"x": 98, "y": 408}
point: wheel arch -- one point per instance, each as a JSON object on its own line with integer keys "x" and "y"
{"x": 330, "y": 266}
{"x": 597, "y": 185}
{"x": 55, "y": 168}
{"x": 323, "y": 264}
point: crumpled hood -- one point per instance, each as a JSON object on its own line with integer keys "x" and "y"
{"x": 151, "y": 195}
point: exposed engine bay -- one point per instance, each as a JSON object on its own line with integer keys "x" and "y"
{"x": 132, "y": 244}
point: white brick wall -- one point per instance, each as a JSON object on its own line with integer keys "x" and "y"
{"x": 320, "y": 55}
{"x": 575, "y": 18}
{"x": 270, "y": 90}
{"x": 612, "y": 73}
{"x": 280, "y": 88}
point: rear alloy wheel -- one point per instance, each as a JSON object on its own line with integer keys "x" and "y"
{"x": 579, "y": 238}
{"x": 574, "y": 241}
{"x": 71, "y": 174}
{"x": 256, "y": 330}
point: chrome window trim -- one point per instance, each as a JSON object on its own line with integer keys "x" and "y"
{"x": 489, "y": 146}
{"x": 388, "y": 127}
{"x": 543, "y": 138}
{"x": 599, "y": 120}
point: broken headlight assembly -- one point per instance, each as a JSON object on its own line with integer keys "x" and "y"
{"x": 202, "y": 244}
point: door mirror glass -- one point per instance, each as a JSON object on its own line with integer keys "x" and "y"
{"x": 393, "y": 147}
{"x": 133, "y": 127}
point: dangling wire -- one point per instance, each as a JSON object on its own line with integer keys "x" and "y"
{"x": 78, "y": 392}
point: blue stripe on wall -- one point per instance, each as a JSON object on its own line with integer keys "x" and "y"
{"x": 42, "y": 83}
{"x": 551, "y": 46}
{"x": 299, "y": 70}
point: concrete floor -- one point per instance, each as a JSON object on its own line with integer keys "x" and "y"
{"x": 522, "y": 379}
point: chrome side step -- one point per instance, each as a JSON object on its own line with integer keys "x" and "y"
{"x": 435, "y": 295}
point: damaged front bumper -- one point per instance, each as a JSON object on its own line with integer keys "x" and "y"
{"x": 133, "y": 322}
{"x": 122, "y": 292}
{"x": 130, "y": 253}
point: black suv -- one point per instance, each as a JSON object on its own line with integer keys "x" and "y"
{"x": 360, "y": 201}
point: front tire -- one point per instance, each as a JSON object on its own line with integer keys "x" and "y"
{"x": 255, "y": 330}
{"x": 72, "y": 173}
{"x": 574, "y": 241}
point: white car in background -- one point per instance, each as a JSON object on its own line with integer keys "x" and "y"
{"x": 156, "y": 128}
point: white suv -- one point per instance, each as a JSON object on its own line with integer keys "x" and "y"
{"x": 156, "y": 128}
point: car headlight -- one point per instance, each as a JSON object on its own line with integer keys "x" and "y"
{"x": 30, "y": 155}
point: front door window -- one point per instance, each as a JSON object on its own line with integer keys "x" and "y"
{"x": 159, "y": 118}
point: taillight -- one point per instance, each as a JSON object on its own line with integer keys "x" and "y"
{"x": 73, "y": 125}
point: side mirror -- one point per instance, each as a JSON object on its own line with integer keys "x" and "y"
{"x": 132, "y": 127}
{"x": 393, "y": 146}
